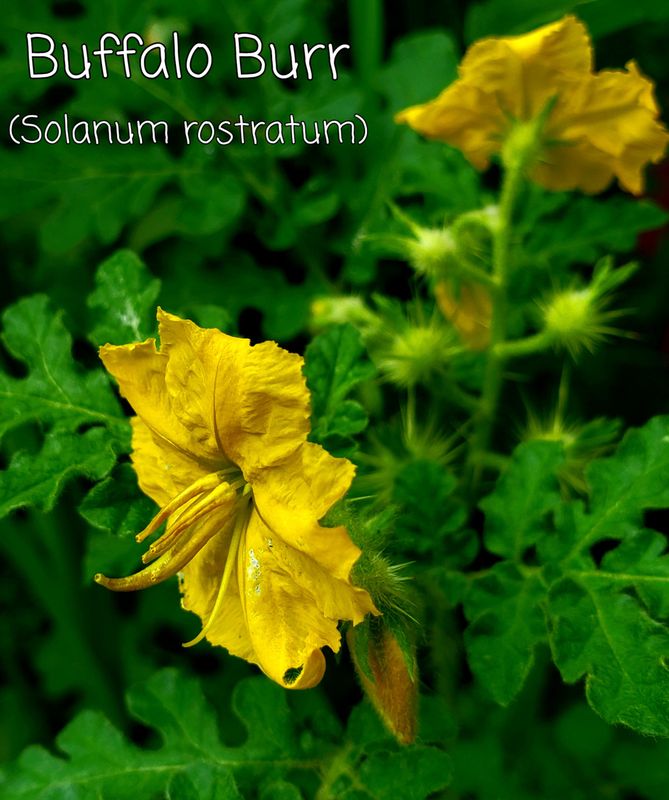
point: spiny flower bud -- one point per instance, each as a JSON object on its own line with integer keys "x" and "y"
{"x": 582, "y": 443}
{"x": 392, "y": 448}
{"x": 432, "y": 252}
{"x": 417, "y": 353}
{"x": 327, "y": 311}
{"x": 579, "y": 318}
{"x": 569, "y": 317}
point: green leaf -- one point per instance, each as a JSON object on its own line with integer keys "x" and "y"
{"x": 213, "y": 199}
{"x": 37, "y": 480}
{"x": 123, "y": 303}
{"x": 507, "y": 622}
{"x": 421, "y": 65}
{"x": 204, "y": 782}
{"x": 55, "y": 392}
{"x": 608, "y": 621}
{"x": 116, "y": 504}
{"x": 85, "y": 197}
{"x": 621, "y": 488}
{"x": 61, "y": 397}
{"x": 608, "y": 637}
{"x": 498, "y": 17}
{"x": 382, "y": 773}
{"x": 430, "y": 518}
{"x": 99, "y": 762}
{"x": 95, "y": 760}
{"x": 335, "y": 363}
{"x": 583, "y": 229}
{"x": 516, "y": 511}
{"x": 641, "y": 561}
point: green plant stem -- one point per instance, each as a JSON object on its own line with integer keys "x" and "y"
{"x": 536, "y": 343}
{"x": 478, "y": 275}
{"x": 493, "y": 377}
{"x": 366, "y": 22}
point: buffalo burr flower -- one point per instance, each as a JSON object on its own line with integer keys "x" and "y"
{"x": 220, "y": 443}
{"x": 592, "y": 126}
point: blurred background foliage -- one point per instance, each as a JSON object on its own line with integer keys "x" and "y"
{"x": 246, "y": 238}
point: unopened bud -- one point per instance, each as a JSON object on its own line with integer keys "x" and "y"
{"x": 468, "y": 307}
{"x": 432, "y": 252}
{"x": 327, "y": 311}
{"x": 417, "y": 353}
{"x": 388, "y": 675}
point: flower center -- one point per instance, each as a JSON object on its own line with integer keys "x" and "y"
{"x": 241, "y": 523}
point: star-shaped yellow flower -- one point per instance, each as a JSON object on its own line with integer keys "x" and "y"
{"x": 600, "y": 126}
{"x": 219, "y": 441}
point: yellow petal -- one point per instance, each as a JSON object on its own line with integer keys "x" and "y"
{"x": 163, "y": 471}
{"x": 271, "y": 417}
{"x": 292, "y": 499}
{"x": 283, "y": 595}
{"x": 202, "y": 376}
{"x": 140, "y": 372}
{"x": 524, "y": 72}
{"x": 608, "y": 128}
{"x": 464, "y": 116}
{"x": 469, "y": 309}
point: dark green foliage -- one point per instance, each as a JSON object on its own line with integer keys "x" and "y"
{"x": 603, "y": 620}
{"x": 85, "y": 429}
{"x": 124, "y": 301}
{"x": 335, "y": 364}
{"x": 192, "y": 761}
{"x": 528, "y": 590}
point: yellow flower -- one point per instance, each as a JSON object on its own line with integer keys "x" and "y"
{"x": 469, "y": 309}
{"x": 599, "y": 125}
{"x": 219, "y": 441}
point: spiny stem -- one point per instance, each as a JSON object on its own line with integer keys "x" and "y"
{"x": 493, "y": 377}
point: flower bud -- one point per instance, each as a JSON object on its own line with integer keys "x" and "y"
{"x": 417, "y": 353}
{"x": 387, "y": 672}
{"x": 579, "y": 318}
{"x": 569, "y": 314}
{"x": 327, "y": 311}
{"x": 432, "y": 252}
{"x": 468, "y": 307}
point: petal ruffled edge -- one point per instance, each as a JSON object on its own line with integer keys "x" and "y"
{"x": 272, "y": 418}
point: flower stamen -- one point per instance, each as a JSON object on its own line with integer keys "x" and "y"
{"x": 200, "y": 486}
{"x": 182, "y": 541}
{"x": 241, "y": 524}
{"x": 193, "y": 513}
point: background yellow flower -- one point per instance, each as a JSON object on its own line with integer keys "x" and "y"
{"x": 600, "y": 126}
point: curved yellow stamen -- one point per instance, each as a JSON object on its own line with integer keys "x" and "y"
{"x": 215, "y": 499}
{"x": 173, "y": 550}
{"x": 239, "y": 530}
{"x": 171, "y": 562}
{"x": 205, "y": 484}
